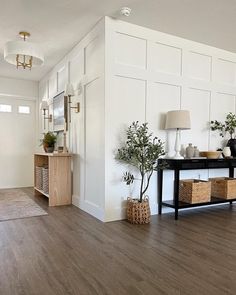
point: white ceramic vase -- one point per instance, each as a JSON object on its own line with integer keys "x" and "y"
{"x": 226, "y": 151}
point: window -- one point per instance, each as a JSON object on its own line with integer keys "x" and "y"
{"x": 23, "y": 109}
{"x": 5, "y": 108}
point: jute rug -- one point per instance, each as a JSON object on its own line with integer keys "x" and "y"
{"x": 14, "y": 204}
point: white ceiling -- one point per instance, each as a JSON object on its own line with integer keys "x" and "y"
{"x": 58, "y": 25}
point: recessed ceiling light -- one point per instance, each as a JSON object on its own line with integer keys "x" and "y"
{"x": 125, "y": 11}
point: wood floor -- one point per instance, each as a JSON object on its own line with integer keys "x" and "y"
{"x": 70, "y": 252}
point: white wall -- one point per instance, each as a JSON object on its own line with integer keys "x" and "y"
{"x": 149, "y": 73}
{"x": 17, "y": 133}
{"x": 84, "y": 68}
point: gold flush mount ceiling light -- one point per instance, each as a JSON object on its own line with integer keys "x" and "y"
{"x": 22, "y": 53}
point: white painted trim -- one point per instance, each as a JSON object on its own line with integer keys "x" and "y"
{"x": 88, "y": 207}
{"x": 22, "y": 97}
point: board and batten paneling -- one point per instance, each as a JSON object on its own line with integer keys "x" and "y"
{"x": 62, "y": 78}
{"x": 134, "y": 73}
{"x": 126, "y": 104}
{"x": 94, "y": 143}
{"x": 179, "y": 74}
{"x": 83, "y": 66}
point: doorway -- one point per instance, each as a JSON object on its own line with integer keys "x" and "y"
{"x": 17, "y": 142}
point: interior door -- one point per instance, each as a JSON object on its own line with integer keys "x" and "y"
{"x": 17, "y": 142}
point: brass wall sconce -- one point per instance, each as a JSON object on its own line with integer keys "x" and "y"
{"x": 45, "y": 107}
{"x": 69, "y": 92}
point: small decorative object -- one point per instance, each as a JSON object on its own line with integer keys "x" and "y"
{"x": 49, "y": 141}
{"x": 196, "y": 151}
{"x": 65, "y": 150}
{"x": 226, "y": 151}
{"x": 228, "y": 126}
{"x": 211, "y": 154}
{"x": 141, "y": 151}
{"x": 178, "y": 120}
{"x": 60, "y": 149}
{"x": 189, "y": 151}
{"x": 183, "y": 151}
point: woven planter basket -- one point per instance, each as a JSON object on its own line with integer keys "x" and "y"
{"x": 138, "y": 213}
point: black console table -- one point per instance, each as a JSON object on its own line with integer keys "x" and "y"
{"x": 190, "y": 164}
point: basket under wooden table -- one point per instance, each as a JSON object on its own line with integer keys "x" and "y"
{"x": 38, "y": 177}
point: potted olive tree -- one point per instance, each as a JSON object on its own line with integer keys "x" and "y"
{"x": 228, "y": 126}
{"x": 49, "y": 141}
{"x": 141, "y": 151}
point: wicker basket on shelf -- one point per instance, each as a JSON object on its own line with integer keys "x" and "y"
{"x": 223, "y": 187}
{"x": 45, "y": 180}
{"x": 138, "y": 212}
{"x": 38, "y": 177}
{"x": 194, "y": 191}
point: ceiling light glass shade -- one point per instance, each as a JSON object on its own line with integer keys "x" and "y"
{"x": 69, "y": 91}
{"x": 44, "y": 105}
{"x": 21, "y": 48}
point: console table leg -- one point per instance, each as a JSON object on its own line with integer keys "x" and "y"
{"x": 176, "y": 193}
{"x": 176, "y": 213}
{"x": 160, "y": 186}
{"x": 231, "y": 202}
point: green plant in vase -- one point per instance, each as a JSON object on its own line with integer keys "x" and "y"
{"x": 228, "y": 126}
{"x": 141, "y": 151}
{"x": 49, "y": 141}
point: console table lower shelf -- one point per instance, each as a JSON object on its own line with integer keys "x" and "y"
{"x": 190, "y": 164}
{"x": 182, "y": 205}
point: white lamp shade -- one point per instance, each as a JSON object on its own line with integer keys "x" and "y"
{"x": 69, "y": 90}
{"x": 179, "y": 119}
{"x": 44, "y": 105}
{"x": 13, "y": 48}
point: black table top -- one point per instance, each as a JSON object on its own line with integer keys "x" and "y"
{"x": 198, "y": 163}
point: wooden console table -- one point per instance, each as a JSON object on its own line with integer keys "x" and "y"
{"x": 59, "y": 177}
{"x": 190, "y": 164}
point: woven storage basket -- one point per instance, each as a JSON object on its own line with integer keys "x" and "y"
{"x": 45, "y": 180}
{"x": 223, "y": 187}
{"x": 38, "y": 178}
{"x": 138, "y": 213}
{"x": 194, "y": 191}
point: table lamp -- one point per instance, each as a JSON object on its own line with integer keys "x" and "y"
{"x": 178, "y": 120}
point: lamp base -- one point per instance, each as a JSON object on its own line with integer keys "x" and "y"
{"x": 177, "y": 156}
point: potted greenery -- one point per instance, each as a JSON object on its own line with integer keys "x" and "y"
{"x": 140, "y": 151}
{"x": 228, "y": 126}
{"x": 49, "y": 141}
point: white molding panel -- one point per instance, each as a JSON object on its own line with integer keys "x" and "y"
{"x": 126, "y": 73}
{"x": 84, "y": 68}
{"x": 179, "y": 74}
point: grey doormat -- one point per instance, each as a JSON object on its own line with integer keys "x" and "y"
{"x": 14, "y": 204}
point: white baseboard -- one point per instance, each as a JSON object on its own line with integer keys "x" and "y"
{"x": 88, "y": 207}
{"x": 113, "y": 214}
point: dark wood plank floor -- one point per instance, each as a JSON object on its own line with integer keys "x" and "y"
{"x": 70, "y": 252}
